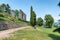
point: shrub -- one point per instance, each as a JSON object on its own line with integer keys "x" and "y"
{"x": 1, "y": 15}
{"x": 40, "y": 21}
{"x": 11, "y": 18}
{"x": 57, "y": 30}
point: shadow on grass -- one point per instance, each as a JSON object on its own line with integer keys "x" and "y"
{"x": 54, "y": 37}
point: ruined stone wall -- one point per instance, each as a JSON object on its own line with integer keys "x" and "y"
{"x": 22, "y": 15}
{"x": 8, "y": 25}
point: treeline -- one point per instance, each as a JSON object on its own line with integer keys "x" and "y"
{"x": 4, "y": 8}
{"x": 47, "y": 22}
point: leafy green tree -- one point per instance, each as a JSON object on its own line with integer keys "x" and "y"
{"x": 49, "y": 21}
{"x": 2, "y": 7}
{"x": 8, "y": 8}
{"x": 5, "y": 8}
{"x": 58, "y": 29}
{"x": 40, "y": 21}
{"x": 32, "y": 17}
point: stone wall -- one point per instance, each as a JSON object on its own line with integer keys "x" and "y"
{"x": 21, "y": 16}
{"x": 8, "y": 25}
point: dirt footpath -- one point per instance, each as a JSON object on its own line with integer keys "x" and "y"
{"x": 5, "y": 33}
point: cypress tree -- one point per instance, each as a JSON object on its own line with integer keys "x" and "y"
{"x": 32, "y": 17}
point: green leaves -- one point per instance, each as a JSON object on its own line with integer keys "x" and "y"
{"x": 32, "y": 17}
{"x": 4, "y": 8}
{"x": 59, "y": 4}
{"x": 49, "y": 20}
{"x": 40, "y": 21}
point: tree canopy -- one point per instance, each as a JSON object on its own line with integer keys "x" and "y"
{"x": 49, "y": 20}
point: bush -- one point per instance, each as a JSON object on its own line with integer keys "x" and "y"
{"x": 23, "y": 20}
{"x": 11, "y": 18}
{"x": 57, "y": 30}
{"x": 1, "y": 15}
{"x": 55, "y": 25}
{"x": 40, "y": 21}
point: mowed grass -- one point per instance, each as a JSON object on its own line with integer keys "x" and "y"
{"x": 39, "y": 33}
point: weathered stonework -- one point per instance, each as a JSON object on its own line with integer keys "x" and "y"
{"x": 22, "y": 15}
{"x": 8, "y": 25}
{"x": 12, "y": 13}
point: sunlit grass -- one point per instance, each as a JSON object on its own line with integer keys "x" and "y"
{"x": 39, "y": 33}
{"x": 28, "y": 34}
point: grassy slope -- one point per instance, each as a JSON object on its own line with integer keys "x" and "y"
{"x": 28, "y": 34}
{"x": 5, "y": 16}
{"x": 35, "y": 34}
{"x": 50, "y": 33}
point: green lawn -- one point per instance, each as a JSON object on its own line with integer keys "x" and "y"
{"x": 35, "y": 34}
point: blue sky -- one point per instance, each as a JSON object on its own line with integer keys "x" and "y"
{"x": 41, "y": 7}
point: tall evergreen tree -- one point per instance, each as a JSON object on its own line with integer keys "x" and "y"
{"x": 32, "y": 17}
{"x": 31, "y": 12}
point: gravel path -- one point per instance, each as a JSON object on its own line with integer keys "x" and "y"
{"x": 6, "y": 33}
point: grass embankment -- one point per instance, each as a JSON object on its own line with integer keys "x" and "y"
{"x": 35, "y": 34}
{"x": 6, "y": 17}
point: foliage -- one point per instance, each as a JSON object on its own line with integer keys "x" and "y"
{"x": 55, "y": 25}
{"x": 32, "y": 17}
{"x": 40, "y": 21}
{"x": 23, "y": 20}
{"x": 59, "y": 4}
{"x": 11, "y": 18}
{"x": 6, "y": 13}
{"x": 49, "y": 21}
{"x": 1, "y": 15}
{"x": 17, "y": 13}
{"x": 8, "y": 9}
{"x": 4, "y": 8}
{"x": 57, "y": 30}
